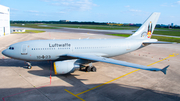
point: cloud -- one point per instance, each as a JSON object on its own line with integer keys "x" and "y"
{"x": 81, "y": 5}
{"x": 45, "y": 0}
{"x": 174, "y": 4}
{"x": 172, "y": 16}
{"x": 60, "y": 12}
{"x": 13, "y": 9}
{"x": 164, "y": 4}
{"x": 135, "y": 10}
{"x": 32, "y": 11}
{"x": 127, "y": 6}
{"x": 178, "y": 2}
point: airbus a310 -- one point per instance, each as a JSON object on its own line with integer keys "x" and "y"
{"x": 73, "y": 54}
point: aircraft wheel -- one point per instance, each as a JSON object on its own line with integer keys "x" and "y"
{"x": 29, "y": 67}
{"x": 88, "y": 69}
{"x": 93, "y": 69}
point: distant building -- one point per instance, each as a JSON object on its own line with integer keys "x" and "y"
{"x": 64, "y": 20}
{"x": 18, "y": 30}
{"x": 4, "y": 21}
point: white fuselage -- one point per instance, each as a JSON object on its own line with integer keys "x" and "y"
{"x": 39, "y": 50}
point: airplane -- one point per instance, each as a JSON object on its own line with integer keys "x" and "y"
{"x": 72, "y": 54}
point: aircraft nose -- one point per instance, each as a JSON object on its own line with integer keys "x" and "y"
{"x": 4, "y": 52}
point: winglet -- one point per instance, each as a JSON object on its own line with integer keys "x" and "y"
{"x": 164, "y": 69}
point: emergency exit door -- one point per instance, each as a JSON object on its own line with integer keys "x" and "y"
{"x": 24, "y": 50}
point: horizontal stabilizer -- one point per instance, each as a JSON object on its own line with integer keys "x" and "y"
{"x": 159, "y": 42}
{"x": 164, "y": 69}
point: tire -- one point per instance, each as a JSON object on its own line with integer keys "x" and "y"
{"x": 93, "y": 69}
{"x": 29, "y": 67}
{"x": 88, "y": 69}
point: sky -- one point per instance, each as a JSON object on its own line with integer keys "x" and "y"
{"x": 118, "y": 11}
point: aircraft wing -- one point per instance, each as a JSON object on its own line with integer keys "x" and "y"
{"x": 113, "y": 61}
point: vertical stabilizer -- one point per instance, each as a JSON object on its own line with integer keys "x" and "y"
{"x": 146, "y": 30}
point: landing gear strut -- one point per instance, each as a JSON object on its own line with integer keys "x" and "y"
{"x": 29, "y": 65}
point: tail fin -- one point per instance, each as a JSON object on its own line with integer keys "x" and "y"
{"x": 146, "y": 30}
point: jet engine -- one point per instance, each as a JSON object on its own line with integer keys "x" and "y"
{"x": 64, "y": 67}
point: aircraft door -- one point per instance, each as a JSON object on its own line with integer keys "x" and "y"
{"x": 24, "y": 50}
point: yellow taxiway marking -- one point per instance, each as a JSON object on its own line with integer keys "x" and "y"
{"x": 76, "y": 95}
{"x": 173, "y": 55}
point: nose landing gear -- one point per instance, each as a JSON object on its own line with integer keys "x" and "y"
{"x": 29, "y": 65}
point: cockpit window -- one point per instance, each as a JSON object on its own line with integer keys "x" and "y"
{"x": 11, "y": 48}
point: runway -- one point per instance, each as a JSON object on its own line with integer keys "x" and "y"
{"x": 110, "y": 82}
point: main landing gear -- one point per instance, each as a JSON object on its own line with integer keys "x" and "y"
{"x": 89, "y": 68}
{"x": 29, "y": 65}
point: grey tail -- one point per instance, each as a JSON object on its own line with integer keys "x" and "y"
{"x": 164, "y": 69}
{"x": 146, "y": 30}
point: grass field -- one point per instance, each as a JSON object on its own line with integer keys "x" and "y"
{"x": 99, "y": 27}
{"x": 159, "y": 38}
{"x": 28, "y": 31}
{"x": 55, "y": 26}
{"x": 34, "y": 26}
{"x": 168, "y": 32}
{"x": 160, "y": 31}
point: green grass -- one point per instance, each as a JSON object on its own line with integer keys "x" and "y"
{"x": 160, "y": 31}
{"x": 34, "y": 26}
{"x": 170, "y": 33}
{"x": 122, "y": 35}
{"x": 168, "y": 39}
{"x": 29, "y": 31}
{"x": 99, "y": 27}
{"x": 159, "y": 38}
{"x": 167, "y": 29}
{"x": 56, "y": 26}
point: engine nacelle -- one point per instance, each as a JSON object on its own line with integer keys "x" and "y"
{"x": 64, "y": 67}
